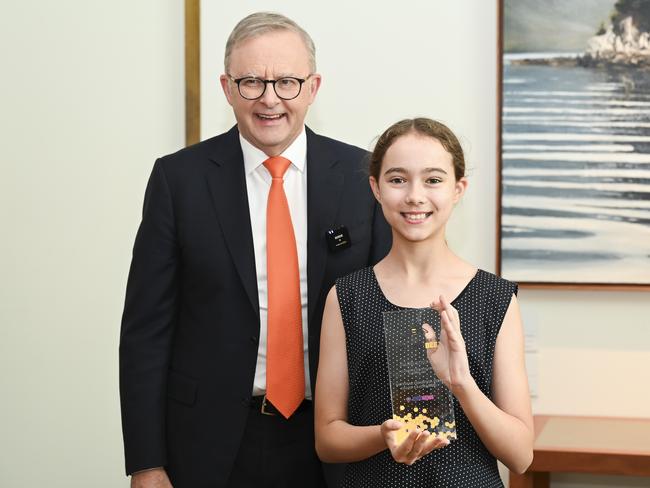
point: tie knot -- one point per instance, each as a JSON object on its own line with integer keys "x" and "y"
{"x": 277, "y": 166}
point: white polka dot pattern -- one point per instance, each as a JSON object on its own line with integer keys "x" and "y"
{"x": 465, "y": 463}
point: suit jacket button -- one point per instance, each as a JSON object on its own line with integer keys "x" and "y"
{"x": 254, "y": 339}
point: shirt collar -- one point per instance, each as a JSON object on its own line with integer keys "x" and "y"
{"x": 296, "y": 153}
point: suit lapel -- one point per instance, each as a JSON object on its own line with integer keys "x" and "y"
{"x": 227, "y": 184}
{"x": 324, "y": 185}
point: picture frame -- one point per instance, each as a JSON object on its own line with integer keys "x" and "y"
{"x": 192, "y": 71}
{"x": 573, "y": 144}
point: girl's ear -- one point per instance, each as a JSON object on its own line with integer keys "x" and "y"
{"x": 460, "y": 188}
{"x": 375, "y": 188}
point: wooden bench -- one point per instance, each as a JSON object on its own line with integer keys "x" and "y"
{"x": 595, "y": 445}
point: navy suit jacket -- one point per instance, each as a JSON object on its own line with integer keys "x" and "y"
{"x": 190, "y": 328}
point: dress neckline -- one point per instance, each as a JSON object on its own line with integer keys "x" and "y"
{"x": 458, "y": 297}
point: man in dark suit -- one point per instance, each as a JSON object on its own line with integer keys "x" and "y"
{"x": 202, "y": 316}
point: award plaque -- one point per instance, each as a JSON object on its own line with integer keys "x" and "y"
{"x": 420, "y": 400}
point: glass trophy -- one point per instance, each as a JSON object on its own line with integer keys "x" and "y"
{"x": 420, "y": 400}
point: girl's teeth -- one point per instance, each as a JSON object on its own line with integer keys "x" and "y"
{"x": 420, "y": 216}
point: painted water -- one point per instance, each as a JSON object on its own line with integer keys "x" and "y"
{"x": 575, "y": 174}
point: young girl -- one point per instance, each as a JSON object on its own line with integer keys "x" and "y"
{"x": 417, "y": 175}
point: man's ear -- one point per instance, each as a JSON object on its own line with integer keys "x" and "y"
{"x": 314, "y": 85}
{"x": 226, "y": 86}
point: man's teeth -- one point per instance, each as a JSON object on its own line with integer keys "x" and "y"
{"x": 269, "y": 117}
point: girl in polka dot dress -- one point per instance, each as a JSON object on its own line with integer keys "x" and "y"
{"x": 417, "y": 175}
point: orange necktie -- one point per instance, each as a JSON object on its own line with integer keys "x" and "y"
{"x": 285, "y": 372}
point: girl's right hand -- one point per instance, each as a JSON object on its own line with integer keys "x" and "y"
{"x": 415, "y": 446}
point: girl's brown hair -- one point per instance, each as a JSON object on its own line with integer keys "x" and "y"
{"x": 422, "y": 126}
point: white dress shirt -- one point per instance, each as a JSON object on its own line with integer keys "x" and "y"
{"x": 258, "y": 184}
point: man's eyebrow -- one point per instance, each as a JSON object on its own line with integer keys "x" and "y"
{"x": 251, "y": 74}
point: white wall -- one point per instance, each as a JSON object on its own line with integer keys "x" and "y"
{"x": 383, "y": 61}
{"x": 90, "y": 93}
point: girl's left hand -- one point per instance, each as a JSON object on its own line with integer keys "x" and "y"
{"x": 416, "y": 445}
{"x": 449, "y": 360}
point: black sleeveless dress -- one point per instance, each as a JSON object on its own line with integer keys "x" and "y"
{"x": 465, "y": 463}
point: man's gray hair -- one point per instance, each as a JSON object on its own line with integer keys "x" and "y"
{"x": 261, "y": 23}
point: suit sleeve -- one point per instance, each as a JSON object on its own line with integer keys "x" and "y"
{"x": 381, "y": 236}
{"x": 150, "y": 314}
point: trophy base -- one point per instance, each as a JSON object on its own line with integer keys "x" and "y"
{"x": 421, "y": 422}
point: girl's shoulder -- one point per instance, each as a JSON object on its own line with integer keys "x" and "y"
{"x": 491, "y": 297}
{"x": 498, "y": 285}
{"x": 355, "y": 286}
{"x": 357, "y": 279}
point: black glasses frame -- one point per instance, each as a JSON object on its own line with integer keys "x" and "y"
{"x": 267, "y": 82}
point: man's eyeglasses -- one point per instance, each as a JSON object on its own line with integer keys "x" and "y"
{"x": 286, "y": 88}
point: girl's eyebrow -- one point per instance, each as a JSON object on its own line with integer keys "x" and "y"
{"x": 395, "y": 170}
{"x": 434, "y": 170}
{"x": 400, "y": 170}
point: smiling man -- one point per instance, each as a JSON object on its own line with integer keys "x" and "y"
{"x": 242, "y": 236}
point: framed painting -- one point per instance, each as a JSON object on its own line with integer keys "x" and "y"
{"x": 192, "y": 71}
{"x": 573, "y": 157}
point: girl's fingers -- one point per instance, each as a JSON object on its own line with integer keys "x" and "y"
{"x": 432, "y": 443}
{"x": 393, "y": 424}
{"x": 443, "y": 336}
{"x": 439, "y": 442}
{"x": 442, "y": 305}
{"x": 457, "y": 317}
{"x": 429, "y": 333}
{"x": 443, "y": 301}
{"x": 452, "y": 333}
{"x": 406, "y": 446}
{"x": 446, "y": 310}
{"x": 448, "y": 307}
{"x": 389, "y": 430}
{"x": 452, "y": 313}
{"x": 418, "y": 446}
{"x": 446, "y": 304}
{"x": 446, "y": 322}
{"x": 431, "y": 340}
{"x": 421, "y": 442}
{"x": 424, "y": 444}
